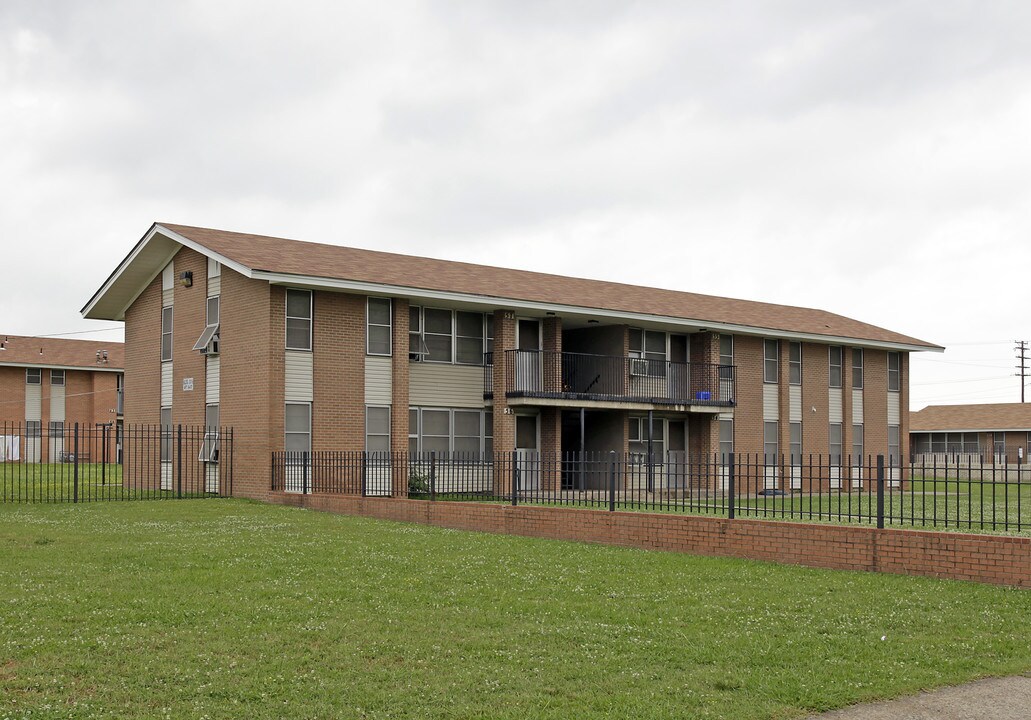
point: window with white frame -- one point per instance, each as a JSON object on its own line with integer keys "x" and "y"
{"x": 857, "y": 368}
{"x": 466, "y": 432}
{"x": 794, "y": 363}
{"x": 208, "y": 340}
{"x": 650, "y": 345}
{"x": 57, "y": 377}
{"x": 166, "y": 434}
{"x": 33, "y": 428}
{"x": 834, "y": 356}
{"x": 439, "y": 335}
{"x": 33, "y": 376}
{"x": 298, "y": 319}
{"x": 857, "y": 445}
{"x": 377, "y": 428}
{"x": 378, "y": 326}
{"x": 209, "y": 448}
{"x": 638, "y": 436}
{"x": 999, "y": 443}
{"x": 726, "y": 439}
{"x": 894, "y": 446}
{"x": 795, "y": 440}
{"x": 771, "y": 360}
{"x": 166, "y": 333}
{"x": 835, "y": 443}
{"x": 469, "y": 335}
{"x": 726, "y": 359}
{"x": 770, "y": 442}
{"x": 56, "y": 429}
{"x": 894, "y": 371}
{"x": 298, "y": 428}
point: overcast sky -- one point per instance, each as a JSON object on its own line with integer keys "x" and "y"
{"x": 868, "y": 158}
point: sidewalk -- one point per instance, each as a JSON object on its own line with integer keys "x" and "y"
{"x": 1007, "y": 698}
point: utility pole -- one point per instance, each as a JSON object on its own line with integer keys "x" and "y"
{"x": 1022, "y": 368}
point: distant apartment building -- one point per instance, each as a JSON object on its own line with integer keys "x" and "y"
{"x": 996, "y": 431}
{"x": 307, "y": 347}
{"x": 48, "y": 385}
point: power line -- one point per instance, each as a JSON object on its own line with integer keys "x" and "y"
{"x": 77, "y": 332}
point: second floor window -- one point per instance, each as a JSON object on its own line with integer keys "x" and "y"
{"x": 33, "y": 376}
{"x": 449, "y": 336}
{"x": 771, "y": 361}
{"x": 795, "y": 363}
{"x": 298, "y": 320}
{"x": 857, "y": 368}
{"x": 834, "y": 353}
{"x": 894, "y": 371}
{"x": 166, "y": 333}
{"x": 57, "y": 377}
{"x": 378, "y": 327}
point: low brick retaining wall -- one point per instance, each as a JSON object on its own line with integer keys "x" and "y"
{"x": 999, "y": 560}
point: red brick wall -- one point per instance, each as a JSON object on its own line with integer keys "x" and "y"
{"x": 251, "y": 387}
{"x": 748, "y": 414}
{"x": 980, "y": 558}
{"x": 143, "y": 357}
{"x": 338, "y": 342}
{"x": 12, "y": 395}
{"x": 189, "y": 316}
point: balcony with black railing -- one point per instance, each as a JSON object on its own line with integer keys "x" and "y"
{"x": 581, "y": 377}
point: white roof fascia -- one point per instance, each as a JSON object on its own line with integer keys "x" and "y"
{"x": 497, "y": 301}
{"x": 171, "y": 235}
{"x": 50, "y": 366}
{"x": 973, "y": 430}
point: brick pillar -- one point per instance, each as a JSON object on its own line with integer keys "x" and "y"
{"x": 704, "y": 429}
{"x": 551, "y": 446}
{"x": 504, "y": 421}
{"x": 399, "y": 369}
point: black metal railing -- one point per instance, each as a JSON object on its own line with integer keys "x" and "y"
{"x": 579, "y": 376}
{"x": 876, "y": 491}
{"x": 87, "y": 463}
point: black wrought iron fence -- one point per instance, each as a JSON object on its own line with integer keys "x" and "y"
{"x": 870, "y": 490}
{"x": 87, "y": 463}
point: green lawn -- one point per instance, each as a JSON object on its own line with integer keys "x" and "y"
{"x": 235, "y": 609}
{"x": 55, "y": 482}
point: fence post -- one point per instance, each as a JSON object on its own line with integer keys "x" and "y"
{"x": 103, "y": 454}
{"x": 612, "y": 481}
{"x": 880, "y": 492}
{"x": 304, "y": 473}
{"x": 730, "y": 488}
{"x": 515, "y": 478}
{"x": 433, "y": 475}
{"x": 75, "y": 464}
{"x": 365, "y": 474}
{"x": 179, "y": 460}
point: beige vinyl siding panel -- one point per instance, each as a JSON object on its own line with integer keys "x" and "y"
{"x": 214, "y": 286}
{"x": 857, "y": 407}
{"x": 726, "y": 415}
{"x": 441, "y": 385}
{"x": 299, "y": 376}
{"x": 166, "y": 384}
{"x": 378, "y": 374}
{"x": 166, "y": 299}
{"x": 212, "y": 371}
{"x": 33, "y": 402}
{"x": 894, "y": 412}
{"x": 771, "y": 402}
{"x": 834, "y": 405}
{"x": 795, "y": 403}
{"x": 57, "y": 403}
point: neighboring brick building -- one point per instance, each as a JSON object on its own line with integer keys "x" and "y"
{"x": 47, "y": 385}
{"x": 999, "y": 431}
{"x": 306, "y": 346}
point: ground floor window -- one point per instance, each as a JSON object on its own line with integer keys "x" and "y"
{"x": 940, "y": 442}
{"x": 835, "y": 443}
{"x": 894, "y": 446}
{"x": 770, "y": 442}
{"x": 638, "y": 437}
{"x": 467, "y": 432}
{"x": 298, "y": 427}
{"x": 377, "y": 429}
{"x": 857, "y": 445}
{"x": 726, "y": 439}
{"x": 795, "y": 439}
{"x": 166, "y": 434}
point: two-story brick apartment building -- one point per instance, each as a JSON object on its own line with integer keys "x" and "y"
{"x": 47, "y": 385}
{"x": 309, "y": 347}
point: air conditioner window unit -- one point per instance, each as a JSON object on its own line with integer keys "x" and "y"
{"x": 638, "y": 366}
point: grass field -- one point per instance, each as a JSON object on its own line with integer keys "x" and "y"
{"x": 234, "y": 609}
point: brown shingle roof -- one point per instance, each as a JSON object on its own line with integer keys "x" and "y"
{"x": 59, "y": 352}
{"x": 278, "y": 255}
{"x": 997, "y": 416}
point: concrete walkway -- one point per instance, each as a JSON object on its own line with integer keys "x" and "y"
{"x": 1007, "y": 698}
